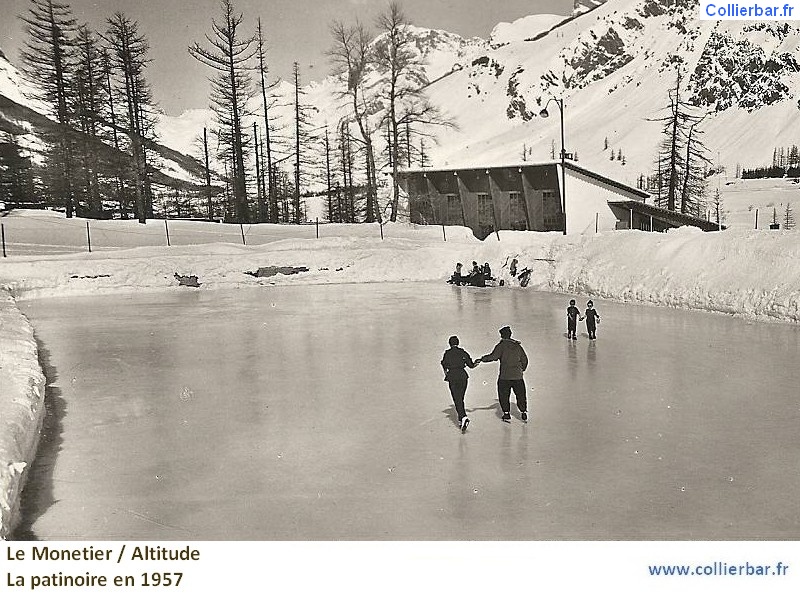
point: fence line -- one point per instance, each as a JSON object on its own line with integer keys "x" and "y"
{"x": 25, "y": 235}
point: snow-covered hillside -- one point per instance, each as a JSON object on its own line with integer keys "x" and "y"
{"x": 14, "y": 86}
{"x": 523, "y": 29}
{"x": 613, "y": 63}
{"x": 28, "y": 120}
{"x": 613, "y": 67}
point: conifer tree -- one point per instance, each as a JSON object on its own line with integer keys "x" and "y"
{"x": 89, "y": 103}
{"x": 228, "y": 53}
{"x": 129, "y": 50}
{"x": 423, "y": 156}
{"x": 788, "y": 217}
{"x": 350, "y": 58}
{"x": 681, "y": 157}
{"x": 694, "y": 167}
{"x": 346, "y": 209}
{"x": 403, "y": 90}
{"x": 719, "y": 213}
{"x": 16, "y": 175}
{"x": 303, "y": 140}
{"x": 793, "y": 156}
{"x": 48, "y": 63}
{"x": 267, "y": 104}
{"x": 118, "y": 164}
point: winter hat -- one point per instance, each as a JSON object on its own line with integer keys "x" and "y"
{"x": 505, "y": 332}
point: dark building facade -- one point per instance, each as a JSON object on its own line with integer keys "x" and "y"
{"x": 529, "y": 197}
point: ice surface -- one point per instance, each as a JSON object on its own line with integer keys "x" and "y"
{"x": 319, "y": 412}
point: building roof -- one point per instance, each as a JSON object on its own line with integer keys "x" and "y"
{"x": 668, "y": 216}
{"x": 572, "y": 166}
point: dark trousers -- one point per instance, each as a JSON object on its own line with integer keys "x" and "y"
{"x": 571, "y": 326}
{"x": 504, "y": 387}
{"x": 458, "y": 387}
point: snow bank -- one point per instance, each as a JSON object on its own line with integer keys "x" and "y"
{"x": 524, "y": 28}
{"x": 752, "y": 274}
{"x": 21, "y": 407}
{"x": 749, "y": 273}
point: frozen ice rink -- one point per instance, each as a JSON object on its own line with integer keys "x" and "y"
{"x": 320, "y": 413}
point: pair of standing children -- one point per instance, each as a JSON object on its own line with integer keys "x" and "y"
{"x": 574, "y": 315}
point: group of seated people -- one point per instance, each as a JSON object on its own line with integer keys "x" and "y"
{"x": 478, "y": 276}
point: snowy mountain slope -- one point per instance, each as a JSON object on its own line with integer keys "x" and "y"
{"x": 613, "y": 63}
{"x": 523, "y": 29}
{"x": 581, "y": 6}
{"x": 28, "y": 120}
{"x": 14, "y": 87}
{"x": 614, "y": 67}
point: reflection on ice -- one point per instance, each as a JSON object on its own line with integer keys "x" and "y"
{"x": 320, "y": 413}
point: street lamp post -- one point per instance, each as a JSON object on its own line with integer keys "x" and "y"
{"x": 543, "y": 113}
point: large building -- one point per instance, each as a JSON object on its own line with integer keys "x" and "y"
{"x": 530, "y": 196}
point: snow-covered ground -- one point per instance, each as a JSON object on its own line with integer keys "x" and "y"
{"x": 21, "y": 408}
{"x": 745, "y": 272}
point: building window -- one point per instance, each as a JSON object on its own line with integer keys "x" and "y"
{"x": 517, "y": 218}
{"x": 453, "y": 214}
{"x": 551, "y": 210}
{"x": 485, "y": 216}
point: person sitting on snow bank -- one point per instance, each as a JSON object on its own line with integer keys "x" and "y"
{"x": 457, "y": 278}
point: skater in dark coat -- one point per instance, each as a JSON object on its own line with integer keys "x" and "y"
{"x": 573, "y": 315}
{"x": 513, "y": 362}
{"x": 592, "y": 319}
{"x": 454, "y": 361}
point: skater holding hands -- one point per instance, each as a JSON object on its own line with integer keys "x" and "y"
{"x": 592, "y": 319}
{"x": 454, "y": 361}
{"x": 573, "y": 316}
{"x": 513, "y": 362}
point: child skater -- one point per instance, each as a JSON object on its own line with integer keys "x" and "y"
{"x": 453, "y": 363}
{"x": 592, "y": 319}
{"x": 573, "y": 315}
